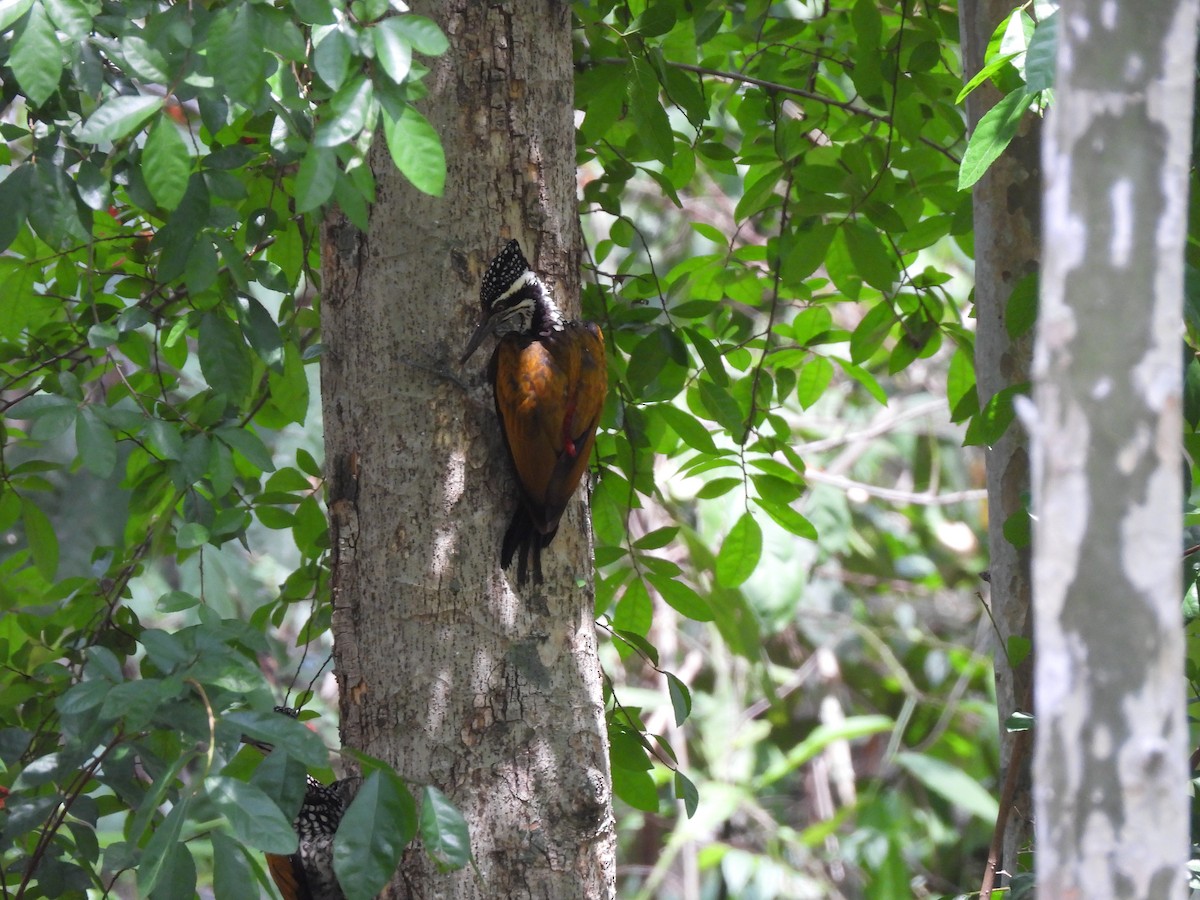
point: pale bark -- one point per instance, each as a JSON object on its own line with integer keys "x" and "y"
{"x": 1007, "y": 214}
{"x": 446, "y": 671}
{"x": 1110, "y": 747}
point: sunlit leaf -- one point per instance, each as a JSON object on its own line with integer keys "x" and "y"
{"x": 416, "y": 149}
{"x": 740, "y": 552}
{"x": 991, "y": 136}
{"x": 36, "y": 58}
{"x": 119, "y": 117}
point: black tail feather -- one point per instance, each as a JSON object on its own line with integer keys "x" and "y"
{"x": 523, "y": 540}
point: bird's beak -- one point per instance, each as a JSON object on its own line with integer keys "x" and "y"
{"x": 485, "y": 328}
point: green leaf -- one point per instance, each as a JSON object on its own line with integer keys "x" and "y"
{"x": 960, "y": 380}
{"x": 656, "y": 19}
{"x": 166, "y": 164}
{"x": 686, "y": 92}
{"x": 1019, "y": 649}
{"x": 118, "y": 117}
{"x": 657, "y": 538}
{"x": 314, "y": 12}
{"x": 871, "y": 331}
{"x": 331, "y": 55}
{"x": 722, "y": 407}
{"x": 224, "y": 356}
{"x": 814, "y": 378}
{"x": 681, "y": 597}
{"x": 821, "y": 737}
{"x": 863, "y": 377}
{"x": 54, "y": 208}
{"x": 714, "y": 365}
{"x": 654, "y": 128}
{"x": 951, "y": 783}
{"x": 416, "y": 150}
{"x": 144, "y": 60}
{"x": 690, "y": 429}
{"x": 83, "y": 697}
{"x": 788, "y": 518}
{"x": 232, "y": 876}
{"x": 316, "y": 178}
{"x": 872, "y": 259}
{"x": 36, "y": 58}
{"x": 994, "y": 65}
{"x": 1040, "y": 58}
{"x": 39, "y": 534}
{"x": 95, "y": 444}
{"x": 177, "y": 881}
{"x": 255, "y": 819}
{"x": 191, "y": 535}
{"x": 72, "y": 17}
{"x": 235, "y": 54}
{"x": 634, "y": 611}
{"x": 681, "y": 699}
{"x": 11, "y": 11}
{"x": 717, "y": 487}
{"x": 444, "y": 830}
{"x": 1020, "y": 313}
{"x": 15, "y": 191}
{"x": 1018, "y": 528}
{"x": 376, "y": 828}
{"x": 289, "y": 390}
{"x": 686, "y": 791}
{"x": 993, "y": 420}
{"x": 422, "y": 33}
{"x": 1019, "y": 721}
{"x": 353, "y": 109}
{"x": 994, "y": 132}
{"x": 627, "y": 748}
{"x": 392, "y": 48}
{"x": 282, "y": 732}
{"x": 18, "y": 306}
{"x": 804, "y": 252}
{"x": 165, "y": 836}
{"x": 739, "y": 553}
{"x": 636, "y": 788}
{"x": 261, "y": 331}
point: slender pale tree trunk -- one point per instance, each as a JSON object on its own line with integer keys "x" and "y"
{"x": 446, "y": 670}
{"x": 1111, "y": 757}
{"x": 1007, "y": 243}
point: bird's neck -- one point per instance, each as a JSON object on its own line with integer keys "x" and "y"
{"x": 547, "y": 317}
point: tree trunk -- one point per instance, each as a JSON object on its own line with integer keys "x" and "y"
{"x": 1110, "y": 749}
{"x": 446, "y": 670}
{"x": 1007, "y": 243}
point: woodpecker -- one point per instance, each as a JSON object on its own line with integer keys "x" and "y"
{"x": 549, "y": 380}
{"x": 307, "y": 874}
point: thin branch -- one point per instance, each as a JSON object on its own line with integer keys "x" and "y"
{"x": 879, "y": 428}
{"x": 924, "y": 498}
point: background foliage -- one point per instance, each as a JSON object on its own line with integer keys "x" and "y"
{"x": 787, "y": 527}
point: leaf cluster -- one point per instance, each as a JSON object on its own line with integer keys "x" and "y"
{"x": 776, "y": 233}
{"x": 163, "y": 168}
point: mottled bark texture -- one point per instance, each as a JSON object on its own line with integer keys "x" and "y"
{"x": 446, "y": 671}
{"x": 1007, "y": 245}
{"x": 1110, "y": 765}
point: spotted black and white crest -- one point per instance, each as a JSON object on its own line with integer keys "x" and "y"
{"x": 507, "y": 274}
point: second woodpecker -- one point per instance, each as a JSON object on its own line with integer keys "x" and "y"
{"x": 550, "y": 379}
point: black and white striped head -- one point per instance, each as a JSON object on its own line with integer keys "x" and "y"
{"x": 514, "y": 300}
